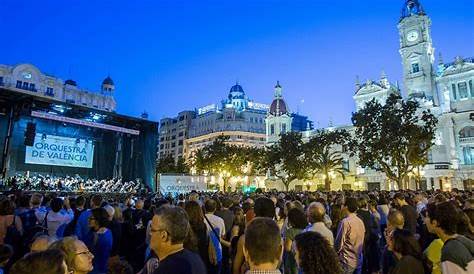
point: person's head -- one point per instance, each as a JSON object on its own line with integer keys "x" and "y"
{"x": 263, "y": 244}
{"x": 80, "y": 202}
{"x": 469, "y": 203}
{"x": 77, "y": 255}
{"x": 210, "y": 205}
{"x": 194, "y": 196}
{"x": 6, "y": 252}
{"x": 314, "y": 254}
{"x": 169, "y": 228}
{"x": 44, "y": 262}
{"x": 99, "y": 218}
{"x": 297, "y": 219}
{"x": 119, "y": 267}
{"x": 41, "y": 243}
{"x": 399, "y": 199}
{"x": 395, "y": 219}
{"x": 264, "y": 207}
{"x": 443, "y": 218}
{"x": 362, "y": 203}
{"x": 56, "y": 204}
{"x": 96, "y": 201}
{"x": 195, "y": 215}
{"x": 351, "y": 204}
{"x": 227, "y": 203}
{"x": 405, "y": 243}
{"x": 118, "y": 215}
{"x": 315, "y": 212}
{"x": 110, "y": 211}
{"x": 36, "y": 200}
{"x": 7, "y": 207}
{"x": 139, "y": 204}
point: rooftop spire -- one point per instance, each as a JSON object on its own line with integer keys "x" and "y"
{"x": 357, "y": 82}
{"x": 412, "y": 7}
{"x": 278, "y": 90}
{"x": 440, "y": 59}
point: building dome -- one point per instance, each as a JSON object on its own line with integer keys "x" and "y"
{"x": 70, "y": 82}
{"x": 108, "y": 81}
{"x": 236, "y": 88}
{"x": 278, "y": 107}
{"x": 236, "y": 92}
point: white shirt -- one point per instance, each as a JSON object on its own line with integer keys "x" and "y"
{"x": 217, "y": 222}
{"x": 321, "y": 228}
{"x": 56, "y": 219}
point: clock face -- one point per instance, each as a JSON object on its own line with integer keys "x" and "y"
{"x": 412, "y": 36}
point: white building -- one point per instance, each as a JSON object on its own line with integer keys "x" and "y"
{"x": 29, "y": 79}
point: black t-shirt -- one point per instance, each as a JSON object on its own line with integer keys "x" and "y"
{"x": 410, "y": 215}
{"x": 182, "y": 262}
{"x": 228, "y": 217}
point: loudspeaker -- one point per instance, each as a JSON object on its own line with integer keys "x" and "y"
{"x": 30, "y": 134}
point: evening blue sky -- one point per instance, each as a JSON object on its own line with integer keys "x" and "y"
{"x": 168, "y": 56}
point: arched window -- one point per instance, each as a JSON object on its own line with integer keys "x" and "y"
{"x": 466, "y": 132}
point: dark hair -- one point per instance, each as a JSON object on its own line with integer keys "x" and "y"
{"x": 210, "y": 205}
{"x": 97, "y": 200}
{"x": 45, "y": 262}
{"x": 405, "y": 243}
{"x": 227, "y": 203}
{"x": 316, "y": 254}
{"x": 56, "y": 204}
{"x": 445, "y": 215}
{"x": 80, "y": 201}
{"x": 195, "y": 215}
{"x": 264, "y": 207}
{"x": 263, "y": 241}
{"x": 351, "y": 204}
{"x": 118, "y": 266}
{"x": 101, "y": 216}
{"x": 297, "y": 219}
{"x": 470, "y": 214}
{"x": 7, "y": 207}
{"x": 399, "y": 196}
{"x": 175, "y": 220}
{"x": 6, "y": 252}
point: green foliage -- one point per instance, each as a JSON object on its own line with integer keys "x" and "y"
{"x": 168, "y": 165}
{"x": 394, "y": 138}
{"x": 322, "y": 156}
{"x": 285, "y": 159}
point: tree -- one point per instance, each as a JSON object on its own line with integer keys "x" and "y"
{"x": 394, "y": 138}
{"x": 322, "y": 155}
{"x": 181, "y": 166}
{"x": 166, "y": 165}
{"x": 285, "y": 158}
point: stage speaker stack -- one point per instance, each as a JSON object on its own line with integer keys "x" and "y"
{"x": 30, "y": 134}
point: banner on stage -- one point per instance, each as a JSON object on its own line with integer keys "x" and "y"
{"x": 60, "y": 151}
{"x": 181, "y": 184}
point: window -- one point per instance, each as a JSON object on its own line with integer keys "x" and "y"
{"x": 162, "y": 139}
{"x": 25, "y": 85}
{"x": 283, "y": 128}
{"x": 462, "y": 90}
{"x": 455, "y": 97}
{"x": 470, "y": 88}
{"x": 415, "y": 68}
{"x": 49, "y": 91}
{"x": 1, "y": 81}
{"x": 181, "y": 134}
{"x": 162, "y": 146}
{"x": 466, "y": 132}
{"x": 468, "y": 153}
{"x": 345, "y": 165}
{"x": 18, "y": 84}
{"x": 272, "y": 129}
{"x": 173, "y": 145}
{"x": 32, "y": 87}
{"x": 180, "y": 142}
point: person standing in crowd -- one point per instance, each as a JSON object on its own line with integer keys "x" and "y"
{"x": 349, "y": 241}
{"x": 212, "y": 220}
{"x": 408, "y": 211}
{"x": 216, "y": 231}
{"x": 315, "y": 216}
{"x": 314, "y": 255}
{"x": 296, "y": 223}
{"x": 9, "y": 221}
{"x": 58, "y": 218}
{"x": 457, "y": 252}
{"x": 6, "y": 253}
{"x": 383, "y": 210}
{"x": 45, "y": 262}
{"x": 199, "y": 238}
{"x": 169, "y": 228}
{"x": 433, "y": 251}
{"x": 116, "y": 229}
{"x": 78, "y": 209}
{"x": 77, "y": 255}
{"x": 82, "y": 227}
{"x": 102, "y": 239}
{"x": 228, "y": 216}
{"x": 370, "y": 263}
{"x": 263, "y": 246}
{"x": 408, "y": 252}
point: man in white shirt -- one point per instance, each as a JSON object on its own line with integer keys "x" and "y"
{"x": 315, "y": 215}
{"x": 216, "y": 221}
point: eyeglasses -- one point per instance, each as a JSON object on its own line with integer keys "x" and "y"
{"x": 153, "y": 230}
{"x": 86, "y": 252}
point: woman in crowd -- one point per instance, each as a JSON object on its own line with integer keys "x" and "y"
{"x": 44, "y": 262}
{"x": 102, "y": 239}
{"x": 314, "y": 255}
{"x": 77, "y": 255}
{"x": 57, "y": 218}
{"x": 408, "y": 252}
{"x": 296, "y": 223}
{"x": 238, "y": 228}
{"x": 7, "y": 218}
{"x": 198, "y": 240}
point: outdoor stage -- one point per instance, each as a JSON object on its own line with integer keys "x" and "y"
{"x": 40, "y": 135}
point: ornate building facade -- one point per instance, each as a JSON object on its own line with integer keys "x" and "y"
{"x": 29, "y": 79}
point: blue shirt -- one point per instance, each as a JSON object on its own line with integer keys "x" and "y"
{"x": 101, "y": 249}
{"x": 82, "y": 227}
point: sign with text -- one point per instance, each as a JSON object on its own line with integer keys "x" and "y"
{"x": 181, "y": 184}
{"x": 60, "y": 151}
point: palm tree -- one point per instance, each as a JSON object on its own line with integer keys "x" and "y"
{"x": 328, "y": 163}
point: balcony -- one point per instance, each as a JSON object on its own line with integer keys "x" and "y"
{"x": 466, "y": 140}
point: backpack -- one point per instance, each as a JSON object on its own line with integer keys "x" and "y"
{"x": 13, "y": 236}
{"x": 38, "y": 229}
{"x": 70, "y": 228}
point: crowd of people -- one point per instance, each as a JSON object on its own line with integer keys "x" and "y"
{"x": 398, "y": 232}
{"x": 70, "y": 184}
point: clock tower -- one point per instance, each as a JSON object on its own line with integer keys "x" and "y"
{"x": 417, "y": 52}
